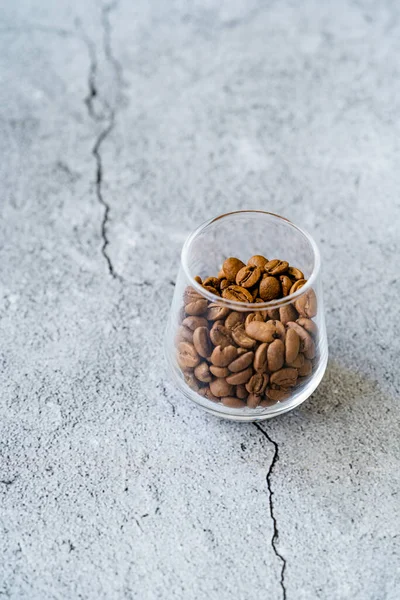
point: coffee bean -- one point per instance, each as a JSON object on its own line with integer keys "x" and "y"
{"x": 195, "y": 322}
{"x": 190, "y": 295}
{"x": 257, "y": 383}
{"x": 276, "y": 355}
{"x": 202, "y": 372}
{"x": 253, "y": 317}
{"x": 187, "y": 355}
{"x": 262, "y": 332}
{"x": 233, "y": 402}
{"x": 231, "y": 267}
{"x": 241, "y": 377}
{"x": 280, "y": 331}
{"x": 198, "y": 279}
{"x": 270, "y": 288}
{"x": 237, "y": 293}
{"x": 292, "y": 345}
{"x": 285, "y": 377}
{"x": 295, "y": 273}
{"x": 222, "y": 357}
{"x": 224, "y": 284}
{"x": 192, "y": 381}
{"x": 306, "y": 305}
{"x": 241, "y": 391}
{"x": 206, "y": 392}
{"x": 234, "y": 318}
{"x": 276, "y": 267}
{"x": 212, "y": 281}
{"x": 277, "y": 395}
{"x": 253, "y": 400}
{"x": 220, "y": 387}
{"x": 211, "y": 289}
{"x": 263, "y": 313}
{"x": 286, "y": 284}
{"x": 287, "y": 313}
{"x": 241, "y": 338}
{"x": 201, "y": 341}
{"x": 297, "y": 285}
{"x": 267, "y": 402}
{"x": 216, "y": 312}
{"x": 241, "y": 351}
{"x": 242, "y": 362}
{"x": 260, "y": 358}
{"x": 308, "y": 325}
{"x": 306, "y": 342}
{"x": 306, "y": 369}
{"x": 197, "y": 307}
{"x": 184, "y": 334}
{"x": 248, "y": 276}
{"x": 220, "y": 335}
{"x": 298, "y": 362}
{"x": 257, "y": 261}
{"x": 220, "y": 371}
{"x": 221, "y": 274}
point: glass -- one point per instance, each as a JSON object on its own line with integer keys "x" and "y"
{"x": 243, "y": 234}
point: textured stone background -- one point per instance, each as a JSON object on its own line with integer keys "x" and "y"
{"x": 123, "y": 126}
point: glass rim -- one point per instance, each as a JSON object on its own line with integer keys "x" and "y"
{"x": 253, "y": 306}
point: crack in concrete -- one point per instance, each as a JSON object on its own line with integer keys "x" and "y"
{"x": 275, "y": 536}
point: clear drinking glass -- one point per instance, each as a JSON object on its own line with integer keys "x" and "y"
{"x": 243, "y": 234}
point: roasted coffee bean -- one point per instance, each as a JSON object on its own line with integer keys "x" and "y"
{"x": 190, "y": 295}
{"x": 202, "y": 372}
{"x": 306, "y": 305}
{"x": 265, "y": 402}
{"x": 206, "y": 392}
{"x": 211, "y": 289}
{"x": 273, "y": 314}
{"x": 242, "y": 362}
{"x": 198, "y": 279}
{"x": 307, "y": 345}
{"x": 241, "y": 391}
{"x": 241, "y": 351}
{"x": 184, "y": 334}
{"x": 248, "y": 276}
{"x": 297, "y": 285}
{"x": 292, "y": 344}
{"x": 234, "y": 318}
{"x": 295, "y": 273}
{"x": 192, "y": 381}
{"x": 237, "y": 293}
{"x": 224, "y": 284}
{"x": 263, "y": 313}
{"x": 270, "y": 288}
{"x": 257, "y": 261}
{"x": 220, "y": 371}
{"x": 286, "y": 284}
{"x": 253, "y": 317}
{"x": 212, "y": 281}
{"x": 222, "y": 357}
{"x": 253, "y": 400}
{"x": 187, "y": 355}
{"x": 196, "y": 307}
{"x": 257, "y": 383}
{"x": 260, "y": 358}
{"x": 308, "y": 325}
{"x": 233, "y": 402}
{"x": 306, "y": 369}
{"x": 279, "y": 329}
{"x": 241, "y": 338}
{"x": 276, "y": 267}
{"x": 241, "y": 377}
{"x": 277, "y": 395}
{"x": 216, "y": 312}
{"x": 220, "y": 335}
{"x": 201, "y": 341}
{"x": 220, "y": 387}
{"x": 287, "y": 313}
{"x": 276, "y": 355}
{"x": 195, "y": 322}
{"x": 254, "y": 292}
{"x": 298, "y": 362}
{"x": 231, "y": 267}
{"x": 262, "y": 332}
{"x": 221, "y": 274}
{"x": 285, "y": 377}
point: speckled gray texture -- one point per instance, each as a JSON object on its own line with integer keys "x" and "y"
{"x": 122, "y": 127}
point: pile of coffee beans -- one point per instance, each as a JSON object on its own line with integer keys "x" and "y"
{"x": 243, "y": 357}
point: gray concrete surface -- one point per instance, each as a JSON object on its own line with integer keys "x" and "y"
{"x": 122, "y": 127}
